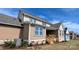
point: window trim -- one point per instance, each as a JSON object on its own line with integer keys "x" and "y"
{"x": 38, "y": 31}
{"x": 33, "y": 21}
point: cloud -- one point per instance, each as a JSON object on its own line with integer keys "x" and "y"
{"x": 9, "y": 11}
{"x": 72, "y": 26}
{"x": 42, "y": 16}
{"x": 66, "y": 15}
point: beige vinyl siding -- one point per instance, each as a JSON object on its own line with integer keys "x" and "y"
{"x": 34, "y": 37}
{"x": 26, "y": 31}
{"x": 9, "y": 33}
{"x": 26, "y": 19}
{"x": 39, "y": 22}
{"x": 61, "y": 33}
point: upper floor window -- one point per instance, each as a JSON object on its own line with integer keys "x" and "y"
{"x": 33, "y": 21}
{"x": 38, "y": 30}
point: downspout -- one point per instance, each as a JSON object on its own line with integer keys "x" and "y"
{"x": 29, "y": 41}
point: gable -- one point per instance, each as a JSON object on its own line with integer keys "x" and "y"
{"x": 61, "y": 27}
{"x": 67, "y": 32}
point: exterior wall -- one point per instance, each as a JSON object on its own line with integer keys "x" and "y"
{"x": 25, "y": 32}
{"x": 8, "y": 32}
{"x": 61, "y": 33}
{"x": 72, "y": 35}
{"x": 66, "y": 37}
{"x": 26, "y": 19}
{"x": 39, "y": 22}
{"x": 29, "y": 30}
{"x": 36, "y": 38}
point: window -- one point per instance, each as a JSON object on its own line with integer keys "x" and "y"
{"x": 33, "y": 21}
{"x": 38, "y": 30}
{"x": 60, "y": 33}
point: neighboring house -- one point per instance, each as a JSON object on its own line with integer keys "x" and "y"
{"x": 10, "y": 28}
{"x": 77, "y": 36}
{"x": 73, "y": 35}
{"x": 58, "y": 31}
{"x": 66, "y": 34}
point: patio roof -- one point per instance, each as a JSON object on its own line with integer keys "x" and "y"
{"x": 57, "y": 25}
{"x": 51, "y": 28}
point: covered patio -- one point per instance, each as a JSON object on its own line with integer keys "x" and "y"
{"x": 51, "y": 35}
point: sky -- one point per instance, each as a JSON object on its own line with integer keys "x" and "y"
{"x": 68, "y": 16}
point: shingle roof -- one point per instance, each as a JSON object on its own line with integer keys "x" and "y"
{"x": 51, "y": 28}
{"x": 57, "y": 25}
{"x": 54, "y": 26}
{"x": 8, "y": 20}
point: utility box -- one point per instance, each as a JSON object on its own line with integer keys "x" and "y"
{"x": 18, "y": 42}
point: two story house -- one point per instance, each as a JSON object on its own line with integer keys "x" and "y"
{"x": 34, "y": 28}
{"x": 30, "y": 28}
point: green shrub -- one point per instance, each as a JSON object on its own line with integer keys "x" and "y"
{"x": 10, "y": 44}
{"x": 13, "y": 44}
{"x": 24, "y": 43}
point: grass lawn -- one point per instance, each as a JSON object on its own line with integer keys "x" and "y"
{"x": 70, "y": 45}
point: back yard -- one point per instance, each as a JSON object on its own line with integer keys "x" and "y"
{"x": 71, "y": 45}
